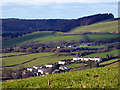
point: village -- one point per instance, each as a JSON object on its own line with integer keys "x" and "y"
{"x": 60, "y": 66}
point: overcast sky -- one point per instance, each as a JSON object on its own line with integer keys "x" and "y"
{"x": 52, "y": 9}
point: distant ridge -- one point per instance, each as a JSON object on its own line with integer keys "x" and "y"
{"x": 64, "y": 25}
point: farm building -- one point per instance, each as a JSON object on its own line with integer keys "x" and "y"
{"x": 38, "y": 66}
{"x": 42, "y": 70}
{"x": 87, "y": 58}
{"x": 49, "y": 65}
{"x": 62, "y": 62}
{"x": 29, "y": 69}
{"x": 60, "y": 47}
{"x": 64, "y": 68}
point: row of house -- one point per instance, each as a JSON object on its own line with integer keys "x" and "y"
{"x": 81, "y": 45}
{"x": 87, "y": 58}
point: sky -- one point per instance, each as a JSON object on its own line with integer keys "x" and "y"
{"x": 56, "y": 9}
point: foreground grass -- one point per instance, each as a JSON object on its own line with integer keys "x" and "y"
{"x": 103, "y": 77}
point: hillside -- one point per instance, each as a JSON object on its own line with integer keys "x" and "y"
{"x": 40, "y": 37}
{"x": 101, "y": 27}
{"x": 47, "y": 36}
{"x": 102, "y": 77}
{"x": 64, "y": 25}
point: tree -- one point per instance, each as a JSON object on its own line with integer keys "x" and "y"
{"x": 90, "y": 62}
{"x": 107, "y": 57}
{"x": 40, "y": 49}
{"x": 29, "y": 50}
{"x": 50, "y": 70}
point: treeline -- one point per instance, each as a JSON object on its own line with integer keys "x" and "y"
{"x": 69, "y": 51}
{"x": 62, "y": 25}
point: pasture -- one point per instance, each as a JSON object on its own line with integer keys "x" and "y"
{"x": 103, "y": 55}
{"x": 41, "y": 58}
{"x": 100, "y": 27}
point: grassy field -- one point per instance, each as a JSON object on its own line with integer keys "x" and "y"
{"x": 58, "y": 38}
{"x": 75, "y": 34}
{"x": 103, "y": 77}
{"x": 41, "y": 36}
{"x": 26, "y": 38}
{"x": 103, "y": 55}
{"x": 13, "y": 53}
{"x": 101, "y": 36}
{"x": 42, "y": 58}
{"x": 111, "y": 26}
{"x": 110, "y": 61}
{"x": 74, "y": 65}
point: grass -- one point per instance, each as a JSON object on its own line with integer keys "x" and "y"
{"x": 41, "y": 37}
{"x": 13, "y": 53}
{"x": 42, "y": 58}
{"x": 111, "y": 26}
{"x": 103, "y": 55}
{"x": 26, "y": 38}
{"x": 103, "y": 77}
{"x": 48, "y": 36}
{"x": 59, "y": 38}
{"x": 45, "y": 58}
{"x": 110, "y": 61}
{"x": 101, "y": 36}
{"x": 20, "y": 59}
{"x": 73, "y": 65}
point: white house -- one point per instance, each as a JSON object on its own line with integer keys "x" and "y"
{"x": 62, "y": 62}
{"x": 29, "y": 69}
{"x": 63, "y": 68}
{"x": 49, "y": 65}
{"x": 70, "y": 46}
{"x": 58, "y": 46}
{"x": 42, "y": 70}
{"x": 87, "y": 58}
{"x": 38, "y": 66}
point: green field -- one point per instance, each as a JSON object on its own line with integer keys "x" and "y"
{"x": 41, "y": 36}
{"x": 74, "y": 34}
{"x": 101, "y": 36}
{"x": 101, "y": 27}
{"x": 26, "y": 38}
{"x": 13, "y": 53}
{"x": 45, "y": 58}
{"x": 103, "y": 77}
{"x": 103, "y": 55}
{"x": 109, "y": 61}
{"x": 42, "y": 58}
{"x": 73, "y": 65}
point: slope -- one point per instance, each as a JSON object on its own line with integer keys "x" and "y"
{"x": 101, "y": 27}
